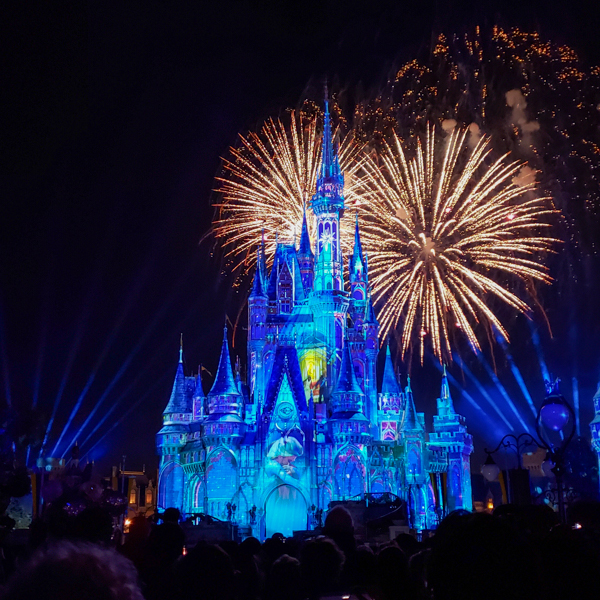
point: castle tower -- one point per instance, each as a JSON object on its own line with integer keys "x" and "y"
{"x": 391, "y": 402}
{"x": 451, "y": 434}
{"x": 350, "y": 430}
{"x": 371, "y": 349}
{"x": 257, "y": 328}
{"x": 416, "y": 475}
{"x": 358, "y": 269}
{"x": 329, "y": 302}
{"x": 224, "y": 425}
{"x": 306, "y": 258}
{"x": 171, "y": 439}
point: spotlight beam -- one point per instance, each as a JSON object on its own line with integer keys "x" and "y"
{"x": 483, "y": 391}
{"x": 132, "y": 297}
{"x": 516, "y": 373}
{"x": 502, "y": 390}
{"x": 150, "y": 390}
{"x": 147, "y": 332}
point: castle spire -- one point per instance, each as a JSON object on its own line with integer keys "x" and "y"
{"x": 304, "y": 249}
{"x": 329, "y": 164}
{"x": 389, "y": 384}
{"x": 347, "y": 395}
{"x": 181, "y": 348}
{"x": 224, "y": 382}
{"x": 411, "y": 419}
{"x": 258, "y": 283}
{"x": 445, "y": 405}
{"x": 177, "y": 402}
{"x": 358, "y": 252}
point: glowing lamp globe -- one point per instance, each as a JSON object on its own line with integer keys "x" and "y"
{"x": 555, "y": 415}
{"x": 490, "y": 470}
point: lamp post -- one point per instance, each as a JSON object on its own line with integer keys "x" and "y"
{"x": 520, "y": 476}
{"x": 552, "y": 418}
{"x": 554, "y": 415}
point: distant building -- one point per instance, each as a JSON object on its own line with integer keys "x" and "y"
{"x": 309, "y": 425}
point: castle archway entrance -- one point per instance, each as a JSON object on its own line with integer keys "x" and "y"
{"x": 286, "y": 511}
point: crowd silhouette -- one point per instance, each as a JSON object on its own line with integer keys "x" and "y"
{"x": 516, "y": 553}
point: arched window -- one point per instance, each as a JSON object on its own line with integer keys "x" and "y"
{"x": 170, "y": 489}
{"x": 221, "y": 476}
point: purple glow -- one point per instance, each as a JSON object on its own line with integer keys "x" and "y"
{"x": 555, "y": 416}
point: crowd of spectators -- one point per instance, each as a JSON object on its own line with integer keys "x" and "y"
{"x": 516, "y": 553}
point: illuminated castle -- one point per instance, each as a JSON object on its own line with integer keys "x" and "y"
{"x": 309, "y": 425}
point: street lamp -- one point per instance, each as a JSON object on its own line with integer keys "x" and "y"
{"x": 553, "y": 416}
{"x": 518, "y": 479}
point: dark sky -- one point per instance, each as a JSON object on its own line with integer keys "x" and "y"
{"x": 115, "y": 115}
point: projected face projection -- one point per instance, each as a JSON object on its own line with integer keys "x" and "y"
{"x": 285, "y": 468}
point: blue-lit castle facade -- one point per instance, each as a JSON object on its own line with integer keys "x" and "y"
{"x": 309, "y": 424}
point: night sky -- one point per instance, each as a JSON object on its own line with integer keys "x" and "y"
{"x": 115, "y": 116}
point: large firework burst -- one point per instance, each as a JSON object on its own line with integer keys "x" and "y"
{"x": 267, "y": 182}
{"x": 446, "y": 231}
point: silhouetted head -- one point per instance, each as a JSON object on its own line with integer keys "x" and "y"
{"x": 73, "y": 571}
{"x": 171, "y": 515}
{"x": 321, "y": 564}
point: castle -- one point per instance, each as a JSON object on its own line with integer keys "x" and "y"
{"x": 309, "y": 425}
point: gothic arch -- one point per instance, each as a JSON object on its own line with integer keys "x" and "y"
{"x": 171, "y": 486}
{"x": 349, "y": 473}
{"x": 221, "y": 480}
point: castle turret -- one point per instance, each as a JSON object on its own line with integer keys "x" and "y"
{"x": 391, "y": 402}
{"x": 224, "y": 397}
{"x": 371, "y": 344}
{"x": 306, "y": 258}
{"x": 358, "y": 269}
{"x": 450, "y": 433}
{"x": 257, "y": 328}
{"x": 328, "y": 206}
{"x": 347, "y": 397}
{"x": 171, "y": 439}
{"x": 445, "y": 406}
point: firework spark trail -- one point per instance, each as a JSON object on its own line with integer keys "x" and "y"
{"x": 267, "y": 182}
{"x": 440, "y": 231}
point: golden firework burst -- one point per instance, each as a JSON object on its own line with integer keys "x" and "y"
{"x": 266, "y": 183}
{"x": 446, "y": 231}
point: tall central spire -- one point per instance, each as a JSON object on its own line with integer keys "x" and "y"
{"x": 329, "y": 165}
{"x": 328, "y": 207}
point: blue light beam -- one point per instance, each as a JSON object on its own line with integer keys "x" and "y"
{"x": 501, "y": 389}
{"x": 517, "y": 374}
{"x": 482, "y": 391}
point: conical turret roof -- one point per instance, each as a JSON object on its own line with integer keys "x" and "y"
{"x": 411, "y": 419}
{"x": 358, "y": 251}
{"x": 179, "y": 400}
{"x": 224, "y": 381}
{"x": 389, "y": 384}
{"x": 305, "y": 249}
{"x": 258, "y": 283}
{"x": 347, "y": 382}
{"x": 445, "y": 404}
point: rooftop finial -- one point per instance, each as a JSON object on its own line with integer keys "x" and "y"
{"x": 181, "y": 348}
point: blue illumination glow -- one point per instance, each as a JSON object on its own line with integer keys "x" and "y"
{"x": 308, "y": 425}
